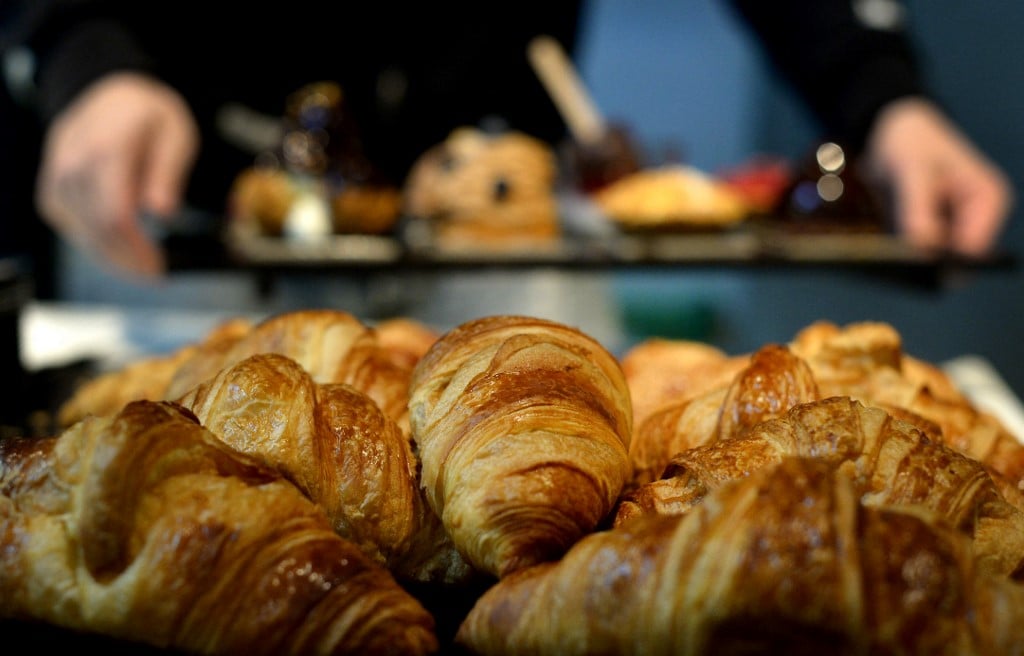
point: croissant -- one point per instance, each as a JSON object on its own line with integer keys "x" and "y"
{"x": 332, "y": 345}
{"x": 671, "y": 429}
{"x": 338, "y": 447}
{"x": 405, "y": 340}
{"x": 771, "y": 382}
{"x": 845, "y": 356}
{"x": 523, "y": 429}
{"x": 143, "y": 526}
{"x": 890, "y": 461}
{"x": 783, "y": 561}
{"x": 664, "y": 371}
{"x": 866, "y": 361}
{"x": 144, "y": 379}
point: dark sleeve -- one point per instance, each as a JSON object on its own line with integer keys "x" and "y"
{"x": 844, "y": 69}
{"x": 73, "y": 43}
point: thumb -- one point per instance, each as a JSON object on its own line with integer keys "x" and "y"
{"x": 174, "y": 143}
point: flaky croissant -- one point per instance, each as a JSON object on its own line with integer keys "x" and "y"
{"x": 663, "y": 371}
{"x": 523, "y": 427}
{"x": 783, "y": 561}
{"x": 332, "y": 345}
{"x": 771, "y": 382}
{"x": 338, "y": 447}
{"x": 405, "y": 340}
{"x": 143, "y": 526}
{"x": 143, "y": 379}
{"x": 866, "y": 361}
{"x": 890, "y": 461}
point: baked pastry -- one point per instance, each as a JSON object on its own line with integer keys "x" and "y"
{"x": 786, "y": 560}
{"x": 143, "y": 526}
{"x": 365, "y": 209}
{"x": 672, "y": 196}
{"x": 863, "y": 360}
{"x": 523, "y": 427}
{"x": 478, "y": 190}
{"x": 341, "y": 450}
{"x": 405, "y": 340}
{"x": 772, "y": 381}
{"x": 264, "y": 200}
{"x": 866, "y": 361}
{"x": 146, "y": 378}
{"x": 673, "y": 428}
{"x": 889, "y": 461}
{"x": 261, "y": 197}
{"x": 317, "y": 180}
{"x": 666, "y": 371}
{"x": 332, "y": 345}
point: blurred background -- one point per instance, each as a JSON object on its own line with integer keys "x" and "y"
{"x": 734, "y": 107}
{"x": 691, "y": 84}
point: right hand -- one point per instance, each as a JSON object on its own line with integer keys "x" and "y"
{"x": 949, "y": 195}
{"x": 125, "y": 146}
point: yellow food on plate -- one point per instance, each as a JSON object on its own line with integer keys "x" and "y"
{"x": 671, "y": 196}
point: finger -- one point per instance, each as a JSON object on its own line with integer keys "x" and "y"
{"x": 978, "y": 217}
{"x": 58, "y": 188}
{"x": 66, "y": 199}
{"x": 164, "y": 174}
{"x": 918, "y": 214}
{"x": 116, "y": 234}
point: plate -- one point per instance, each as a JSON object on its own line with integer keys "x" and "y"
{"x": 258, "y": 249}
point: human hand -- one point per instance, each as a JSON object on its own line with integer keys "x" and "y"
{"x": 947, "y": 194}
{"x": 122, "y": 148}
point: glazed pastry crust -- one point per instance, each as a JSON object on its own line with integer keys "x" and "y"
{"x": 890, "y": 462}
{"x": 866, "y": 361}
{"x": 143, "y": 526}
{"x": 771, "y": 382}
{"x": 341, "y": 450}
{"x": 523, "y": 427}
{"x": 786, "y": 560}
{"x": 332, "y": 345}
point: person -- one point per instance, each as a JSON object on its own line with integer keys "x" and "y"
{"x": 854, "y": 65}
{"x": 149, "y": 108}
{"x": 132, "y": 98}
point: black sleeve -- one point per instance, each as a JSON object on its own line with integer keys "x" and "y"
{"x": 73, "y": 43}
{"x": 843, "y": 65}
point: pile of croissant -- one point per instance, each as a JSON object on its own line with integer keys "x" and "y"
{"x": 278, "y": 488}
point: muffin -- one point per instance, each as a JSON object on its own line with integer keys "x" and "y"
{"x": 478, "y": 190}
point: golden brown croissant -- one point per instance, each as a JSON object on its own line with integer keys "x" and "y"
{"x": 406, "y": 340}
{"x": 890, "y": 461}
{"x": 332, "y": 345}
{"x": 785, "y": 561}
{"x": 959, "y": 424}
{"x": 523, "y": 428}
{"x": 144, "y": 379}
{"x": 143, "y": 526}
{"x": 846, "y": 355}
{"x": 772, "y": 381}
{"x": 665, "y": 371}
{"x": 673, "y": 428}
{"x": 865, "y": 360}
{"x": 338, "y": 447}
